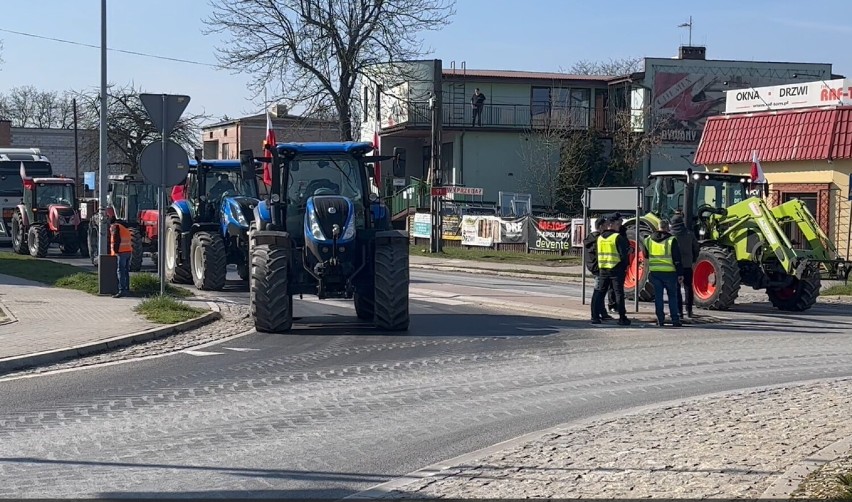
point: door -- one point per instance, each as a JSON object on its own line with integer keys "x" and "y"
{"x": 792, "y": 231}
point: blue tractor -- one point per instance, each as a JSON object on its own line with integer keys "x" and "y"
{"x": 323, "y": 231}
{"x": 207, "y": 226}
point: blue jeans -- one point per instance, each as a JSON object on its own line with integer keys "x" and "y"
{"x": 666, "y": 281}
{"x": 124, "y": 272}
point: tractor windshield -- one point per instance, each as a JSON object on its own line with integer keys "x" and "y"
{"x": 145, "y": 196}
{"x": 54, "y": 193}
{"x": 669, "y": 195}
{"x": 324, "y": 175}
{"x": 229, "y": 184}
{"x": 718, "y": 193}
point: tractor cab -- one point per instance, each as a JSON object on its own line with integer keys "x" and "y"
{"x": 209, "y": 182}
{"x": 42, "y": 193}
{"x": 130, "y": 196}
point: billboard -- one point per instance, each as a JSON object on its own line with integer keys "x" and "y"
{"x": 790, "y": 97}
{"x": 687, "y": 91}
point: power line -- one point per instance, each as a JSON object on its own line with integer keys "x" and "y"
{"x": 134, "y": 53}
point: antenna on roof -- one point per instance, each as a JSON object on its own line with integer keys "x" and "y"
{"x": 688, "y": 25}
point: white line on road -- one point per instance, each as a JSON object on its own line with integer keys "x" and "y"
{"x": 240, "y": 349}
{"x": 202, "y": 353}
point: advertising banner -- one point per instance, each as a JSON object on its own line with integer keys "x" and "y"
{"x": 422, "y": 225}
{"x": 578, "y": 232}
{"x": 513, "y": 230}
{"x": 451, "y": 224}
{"x": 480, "y": 230}
{"x": 550, "y": 234}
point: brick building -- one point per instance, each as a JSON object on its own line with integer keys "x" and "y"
{"x": 224, "y": 140}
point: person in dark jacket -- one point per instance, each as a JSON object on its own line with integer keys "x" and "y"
{"x": 610, "y": 296}
{"x": 665, "y": 271}
{"x": 477, "y": 101}
{"x": 689, "y": 249}
{"x": 591, "y": 245}
{"x": 612, "y": 256}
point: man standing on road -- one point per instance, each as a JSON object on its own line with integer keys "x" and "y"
{"x": 689, "y": 249}
{"x": 664, "y": 271}
{"x": 612, "y": 254}
{"x": 591, "y": 245}
{"x": 121, "y": 245}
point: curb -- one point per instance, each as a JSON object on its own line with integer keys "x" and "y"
{"x": 6, "y": 316}
{"x": 784, "y": 486}
{"x": 15, "y": 363}
{"x": 381, "y": 490}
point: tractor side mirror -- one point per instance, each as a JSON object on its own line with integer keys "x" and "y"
{"x": 247, "y": 164}
{"x": 398, "y": 162}
{"x": 371, "y": 170}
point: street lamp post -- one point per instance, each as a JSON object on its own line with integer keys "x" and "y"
{"x": 107, "y": 264}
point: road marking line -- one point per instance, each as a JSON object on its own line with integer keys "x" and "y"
{"x": 202, "y": 353}
{"x": 240, "y": 349}
{"x": 442, "y": 301}
{"x": 346, "y": 304}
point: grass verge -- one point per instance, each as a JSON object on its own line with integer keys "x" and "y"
{"x": 838, "y": 290}
{"x": 166, "y": 310}
{"x": 491, "y": 255}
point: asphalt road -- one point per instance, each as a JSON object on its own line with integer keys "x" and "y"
{"x": 337, "y": 407}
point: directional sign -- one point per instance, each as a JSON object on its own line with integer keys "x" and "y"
{"x": 447, "y": 190}
{"x": 164, "y": 117}
{"x": 173, "y": 172}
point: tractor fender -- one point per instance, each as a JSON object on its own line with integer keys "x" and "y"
{"x": 25, "y": 215}
{"x": 381, "y": 216}
{"x": 262, "y": 215}
{"x": 184, "y": 212}
{"x": 648, "y": 221}
{"x": 237, "y": 214}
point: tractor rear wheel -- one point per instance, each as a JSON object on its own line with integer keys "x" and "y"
{"x": 271, "y": 302}
{"x": 391, "y": 286}
{"x": 243, "y": 271}
{"x": 137, "y": 253}
{"x": 83, "y": 239}
{"x": 69, "y": 245}
{"x": 209, "y": 261}
{"x": 631, "y": 280}
{"x": 19, "y": 234}
{"x": 38, "y": 239}
{"x": 798, "y": 296}
{"x": 715, "y": 278}
{"x": 176, "y": 272}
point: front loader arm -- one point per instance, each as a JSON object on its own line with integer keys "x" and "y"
{"x": 822, "y": 249}
{"x": 768, "y": 229}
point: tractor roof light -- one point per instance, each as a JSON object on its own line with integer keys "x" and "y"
{"x": 696, "y": 176}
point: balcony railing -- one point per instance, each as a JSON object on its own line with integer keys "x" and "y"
{"x": 510, "y": 116}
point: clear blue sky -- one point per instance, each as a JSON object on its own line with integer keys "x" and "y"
{"x": 537, "y": 35}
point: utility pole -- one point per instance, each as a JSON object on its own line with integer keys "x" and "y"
{"x": 436, "y": 106}
{"x": 76, "y": 151}
{"x": 107, "y": 278}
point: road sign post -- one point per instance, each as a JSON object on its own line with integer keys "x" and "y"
{"x": 164, "y": 163}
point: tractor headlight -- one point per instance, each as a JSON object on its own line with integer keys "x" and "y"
{"x": 349, "y": 233}
{"x": 238, "y": 214}
{"x": 316, "y": 231}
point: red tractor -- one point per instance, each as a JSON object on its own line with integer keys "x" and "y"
{"x": 48, "y": 215}
{"x": 134, "y": 202}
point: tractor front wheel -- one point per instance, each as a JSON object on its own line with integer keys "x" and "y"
{"x": 799, "y": 296}
{"x": 631, "y": 279}
{"x": 92, "y": 236}
{"x": 715, "y": 279}
{"x": 209, "y": 261}
{"x": 19, "y": 234}
{"x": 83, "y": 239}
{"x": 391, "y": 286}
{"x": 69, "y": 245}
{"x": 271, "y": 302}
{"x": 176, "y": 272}
{"x": 365, "y": 307}
{"x": 38, "y": 239}
{"x": 137, "y": 253}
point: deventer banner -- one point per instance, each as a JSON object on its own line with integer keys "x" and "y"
{"x": 550, "y": 234}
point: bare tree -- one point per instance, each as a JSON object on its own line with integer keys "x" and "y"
{"x": 635, "y": 134}
{"x": 614, "y": 67}
{"x": 29, "y": 107}
{"x": 320, "y": 48}
{"x": 130, "y": 128}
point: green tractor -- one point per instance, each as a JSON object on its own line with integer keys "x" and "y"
{"x": 743, "y": 242}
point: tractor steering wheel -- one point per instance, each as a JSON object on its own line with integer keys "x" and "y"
{"x": 705, "y": 210}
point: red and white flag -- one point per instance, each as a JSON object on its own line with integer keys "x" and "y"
{"x": 756, "y": 169}
{"x": 377, "y": 165}
{"x": 269, "y": 141}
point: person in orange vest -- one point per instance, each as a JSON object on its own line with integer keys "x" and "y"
{"x": 121, "y": 245}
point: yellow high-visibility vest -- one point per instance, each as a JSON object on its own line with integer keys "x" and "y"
{"x": 660, "y": 257}
{"x": 608, "y": 256}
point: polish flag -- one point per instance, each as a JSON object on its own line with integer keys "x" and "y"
{"x": 269, "y": 141}
{"x": 756, "y": 170}
{"x": 377, "y": 165}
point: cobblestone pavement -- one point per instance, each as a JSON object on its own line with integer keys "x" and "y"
{"x": 732, "y": 446}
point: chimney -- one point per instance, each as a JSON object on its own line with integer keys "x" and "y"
{"x": 692, "y": 52}
{"x": 5, "y": 133}
{"x": 278, "y": 110}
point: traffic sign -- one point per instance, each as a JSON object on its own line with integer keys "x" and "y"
{"x": 156, "y": 172}
{"x": 164, "y": 110}
{"x": 447, "y": 190}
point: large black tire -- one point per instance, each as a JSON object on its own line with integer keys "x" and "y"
{"x": 137, "y": 253}
{"x": 19, "y": 234}
{"x": 391, "y": 285}
{"x": 799, "y": 296}
{"x": 177, "y": 272}
{"x": 365, "y": 307}
{"x": 83, "y": 236}
{"x": 243, "y": 271}
{"x": 38, "y": 239}
{"x": 715, "y": 278}
{"x": 271, "y": 302}
{"x": 209, "y": 261}
{"x": 69, "y": 245}
{"x": 646, "y": 289}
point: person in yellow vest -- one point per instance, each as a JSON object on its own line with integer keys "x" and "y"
{"x": 612, "y": 256}
{"x": 665, "y": 271}
{"x": 121, "y": 245}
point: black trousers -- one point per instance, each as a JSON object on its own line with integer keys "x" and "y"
{"x": 477, "y": 113}
{"x": 687, "y": 286}
{"x": 609, "y": 279}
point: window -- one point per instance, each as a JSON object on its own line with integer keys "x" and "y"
{"x": 540, "y": 105}
{"x": 226, "y": 151}
{"x": 325, "y": 175}
{"x": 562, "y": 107}
{"x": 54, "y": 193}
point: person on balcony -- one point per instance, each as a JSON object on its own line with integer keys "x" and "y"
{"x": 477, "y": 101}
